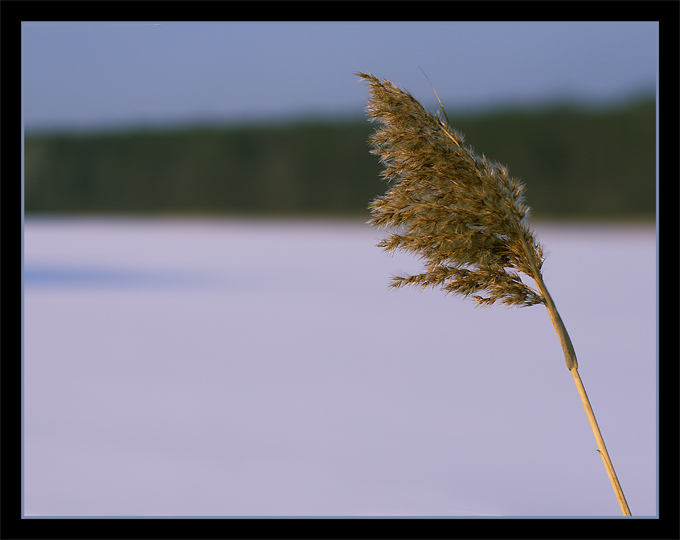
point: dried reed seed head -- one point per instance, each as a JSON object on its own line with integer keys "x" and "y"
{"x": 460, "y": 212}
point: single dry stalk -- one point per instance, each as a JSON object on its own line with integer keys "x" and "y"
{"x": 464, "y": 216}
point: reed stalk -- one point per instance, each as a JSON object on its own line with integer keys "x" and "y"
{"x": 464, "y": 216}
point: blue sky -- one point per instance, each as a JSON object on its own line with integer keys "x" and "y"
{"x": 103, "y": 75}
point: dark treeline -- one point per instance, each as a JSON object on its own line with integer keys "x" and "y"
{"x": 576, "y": 164}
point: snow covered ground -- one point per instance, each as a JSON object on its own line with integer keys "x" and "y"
{"x": 263, "y": 368}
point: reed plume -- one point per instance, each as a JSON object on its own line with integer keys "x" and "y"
{"x": 463, "y": 215}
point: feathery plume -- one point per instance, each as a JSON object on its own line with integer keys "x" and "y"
{"x": 461, "y": 212}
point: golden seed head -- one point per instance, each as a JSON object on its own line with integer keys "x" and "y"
{"x": 460, "y": 212}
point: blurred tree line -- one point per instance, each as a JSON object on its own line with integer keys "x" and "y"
{"x": 576, "y": 163}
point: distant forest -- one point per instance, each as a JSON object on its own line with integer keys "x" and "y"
{"x": 576, "y": 163}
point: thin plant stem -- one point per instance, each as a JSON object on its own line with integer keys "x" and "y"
{"x": 464, "y": 216}
{"x": 601, "y": 448}
{"x": 572, "y": 366}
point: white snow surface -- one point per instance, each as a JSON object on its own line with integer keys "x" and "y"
{"x": 243, "y": 367}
